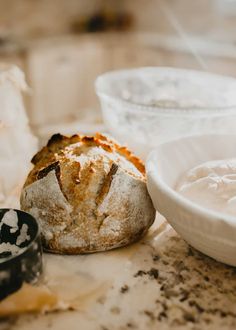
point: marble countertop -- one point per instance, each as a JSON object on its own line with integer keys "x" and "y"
{"x": 158, "y": 283}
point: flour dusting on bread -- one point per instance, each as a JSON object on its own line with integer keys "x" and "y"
{"x": 88, "y": 193}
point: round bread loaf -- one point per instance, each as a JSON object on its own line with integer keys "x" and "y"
{"x": 88, "y": 193}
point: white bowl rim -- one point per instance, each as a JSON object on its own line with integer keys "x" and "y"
{"x": 163, "y": 110}
{"x": 177, "y": 197}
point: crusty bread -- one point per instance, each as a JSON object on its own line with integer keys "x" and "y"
{"x": 88, "y": 193}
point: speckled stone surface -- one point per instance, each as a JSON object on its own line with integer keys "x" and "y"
{"x": 158, "y": 283}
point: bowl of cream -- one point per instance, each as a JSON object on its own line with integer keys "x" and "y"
{"x": 192, "y": 183}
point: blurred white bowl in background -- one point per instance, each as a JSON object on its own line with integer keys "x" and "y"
{"x": 147, "y": 106}
{"x": 210, "y": 232}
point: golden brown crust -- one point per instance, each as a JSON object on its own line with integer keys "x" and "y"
{"x": 138, "y": 163}
{"x": 57, "y": 143}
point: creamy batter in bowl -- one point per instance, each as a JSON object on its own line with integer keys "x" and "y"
{"x": 212, "y": 185}
{"x": 209, "y": 230}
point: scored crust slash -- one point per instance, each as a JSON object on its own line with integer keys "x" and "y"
{"x": 88, "y": 193}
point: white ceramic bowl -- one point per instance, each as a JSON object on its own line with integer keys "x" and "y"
{"x": 208, "y": 231}
{"x": 147, "y": 106}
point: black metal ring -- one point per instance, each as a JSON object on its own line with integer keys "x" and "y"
{"x": 26, "y": 265}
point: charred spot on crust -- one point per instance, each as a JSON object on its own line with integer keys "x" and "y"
{"x": 37, "y": 157}
{"x": 55, "y": 139}
{"x": 54, "y": 166}
{"x": 88, "y": 139}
